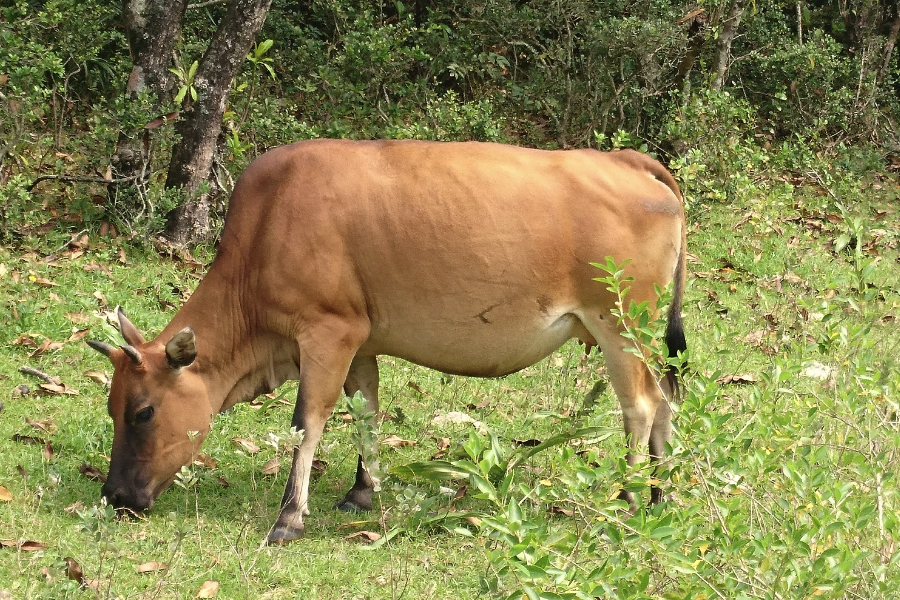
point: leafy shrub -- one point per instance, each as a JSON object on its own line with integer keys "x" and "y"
{"x": 714, "y": 134}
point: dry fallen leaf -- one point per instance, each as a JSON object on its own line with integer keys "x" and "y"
{"x": 78, "y": 318}
{"x": 530, "y": 443}
{"x": 97, "y": 376}
{"x": 207, "y": 462}
{"x": 101, "y": 299}
{"x": 92, "y": 473}
{"x": 47, "y": 425}
{"x": 74, "y": 571}
{"x": 150, "y": 567}
{"x": 558, "y": 510}
{"x": 31, "y": 546}
{"x": 48, "y": 450}
{"x": 26, "y": 339}
{"x": 742, "y": 379}
{"x": 78, "y": 335}
{"x": 209, "y": 589}
{"x": 397, "y": 442}
{"x": 246, "y": 445}
{"x": 370, "y": 536}
{"x": 417, "y": 387}
{"x": 59, "y": 389}
{"x": 756, "y": 337}
{"x": 47, "y": 345}
{"x": 271, "y": 467}
{"x": 43, "y": 281}
{"x": 5, "y": 495}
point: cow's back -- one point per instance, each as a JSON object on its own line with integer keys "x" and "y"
{"x": 466, "y": 257}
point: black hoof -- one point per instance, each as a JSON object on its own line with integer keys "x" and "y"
{"x": 284, "y": 534}
{"x": 356, "y": 501}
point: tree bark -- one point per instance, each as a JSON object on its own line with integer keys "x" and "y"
{"x": 201, "y": 120}
{"x": 697, "y": 32}
{"x": 152, "y": 28}
{"x": 723, "y": 44}
{"x": 889, "y": 48}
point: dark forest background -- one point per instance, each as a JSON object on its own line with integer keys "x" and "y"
{"x": 135, "y": 118}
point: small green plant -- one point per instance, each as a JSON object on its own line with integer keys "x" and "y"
{"x": 185, "y": 75}
{"x": 99, "y": 523}
{"x": 365, "y": 437}
{"x": 855, "y": 230}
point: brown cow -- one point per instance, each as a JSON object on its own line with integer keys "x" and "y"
{"x": 468, "y": 258}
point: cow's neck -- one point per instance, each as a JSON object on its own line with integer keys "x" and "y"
{"x": 237, "y": 358}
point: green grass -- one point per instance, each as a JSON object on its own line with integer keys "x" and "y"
{"x": 781, "y": 487}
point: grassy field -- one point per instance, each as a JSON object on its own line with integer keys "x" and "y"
{"x": 782, "y": 481}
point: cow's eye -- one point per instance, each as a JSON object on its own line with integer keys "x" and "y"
{"x": 143, "y": 415}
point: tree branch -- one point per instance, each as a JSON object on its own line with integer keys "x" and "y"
{"x": 75, "y": 179}
{"x": 205, "y": 4}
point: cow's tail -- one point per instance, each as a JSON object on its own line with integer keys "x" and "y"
{"x": 675, "y": 340}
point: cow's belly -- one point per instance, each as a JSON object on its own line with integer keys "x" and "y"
{"x": 490, "y": 345}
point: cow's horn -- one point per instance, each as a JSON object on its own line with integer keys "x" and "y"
{"x": 102, "y": 347}
{"x": 133, "y": 354}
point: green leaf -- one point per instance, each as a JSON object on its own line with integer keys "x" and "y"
{"x": 383, "y": 539}
{"x": 263, "y": 47}
{"x": 596, "y": 434}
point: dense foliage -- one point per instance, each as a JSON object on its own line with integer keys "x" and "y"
{"x": 818, "y": 74}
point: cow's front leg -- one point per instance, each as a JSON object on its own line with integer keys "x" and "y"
{"x": 321, "y": 376}
{"x": 363, "y": 377}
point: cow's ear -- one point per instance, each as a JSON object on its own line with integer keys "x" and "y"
{"x": 182, "y": 349}
{"x": 132, "y": 334}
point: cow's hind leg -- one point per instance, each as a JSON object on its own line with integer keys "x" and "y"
{"x": 645, "y": 412}
{"x": 323, "y": 370}
{"x": 363, "y": 377}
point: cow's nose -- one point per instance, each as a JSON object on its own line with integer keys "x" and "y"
{"x": 122, "y": 499}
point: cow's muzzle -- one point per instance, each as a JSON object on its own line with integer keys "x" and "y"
{"x": 128, "y": 500}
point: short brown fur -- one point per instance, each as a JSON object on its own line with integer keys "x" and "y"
{"x": 468, "y": 258}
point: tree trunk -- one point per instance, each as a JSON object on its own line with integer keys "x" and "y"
{"x": 889, "y": 48}
{"x": 201, "y": 121}
{"x": 152, "y": 28}
{"x": 723, "y": 44}
{"x": 697, "y": 31}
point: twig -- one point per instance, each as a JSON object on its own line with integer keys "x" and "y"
{"x": 39, "y": 374}
{"x": 74, "y": 237}
{"x": 76, "y": 179}
{"x": 205, "y": 4}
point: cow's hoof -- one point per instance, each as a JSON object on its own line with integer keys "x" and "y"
{"x": 356, "y": 501}
{"x": 284, "y": 534}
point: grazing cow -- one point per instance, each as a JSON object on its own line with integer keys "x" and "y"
{"x": 469, "y": 258}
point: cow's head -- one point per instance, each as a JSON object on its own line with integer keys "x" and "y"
{"x": 160, "y": 411}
